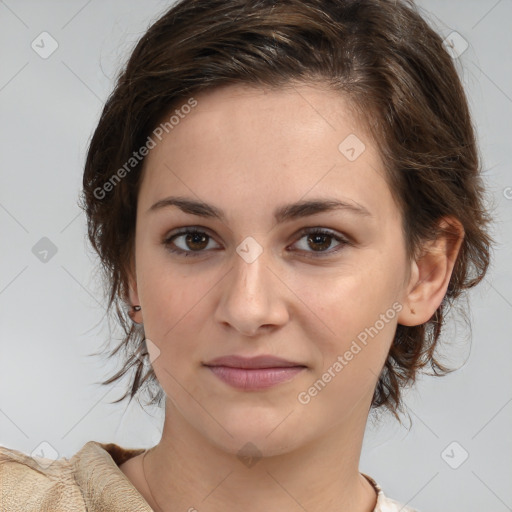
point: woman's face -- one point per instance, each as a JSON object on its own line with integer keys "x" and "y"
{"x": 252, "y": 284}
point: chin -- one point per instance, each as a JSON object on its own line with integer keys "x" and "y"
{"x": 267, "y": 433}
{"x": 249, "y": 448}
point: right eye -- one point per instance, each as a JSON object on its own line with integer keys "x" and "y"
{"x": 193, "y": 242}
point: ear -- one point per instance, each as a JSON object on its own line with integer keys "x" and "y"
{"x": 133, "y": 296}
{"x": 431, "y": 273}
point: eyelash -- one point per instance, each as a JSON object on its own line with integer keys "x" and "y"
{"x": 307, "y": 231}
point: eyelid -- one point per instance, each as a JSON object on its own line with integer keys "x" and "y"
{"x": 168, "y": 238}
{"x": 343, "y": 240}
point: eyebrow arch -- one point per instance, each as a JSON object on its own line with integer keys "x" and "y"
{"x": 282, "y": 214}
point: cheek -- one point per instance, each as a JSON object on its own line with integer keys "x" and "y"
{"x": 361, "y": 315}
{"x": 166, "y": 290}
{"x": 170, "y": 299}
{"x": 174, "y": 301}
{"x": 356, "y": 313}
{"x": 174, "y": 322}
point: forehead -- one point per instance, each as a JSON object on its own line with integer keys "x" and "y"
{"x": 271, "y": 144}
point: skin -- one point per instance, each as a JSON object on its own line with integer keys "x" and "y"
{"x": 248, "y": 151}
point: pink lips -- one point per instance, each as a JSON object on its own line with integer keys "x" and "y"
{"x": 255, "y": 373}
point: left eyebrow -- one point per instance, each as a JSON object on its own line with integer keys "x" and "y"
{"x": 282, "y": 214}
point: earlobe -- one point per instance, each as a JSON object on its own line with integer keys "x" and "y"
{"x": 134, "y": 312}
{"x": 407, "y": 314}
{"x": 431, "y": 273}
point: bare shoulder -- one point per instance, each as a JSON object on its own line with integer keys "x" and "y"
{"x": 36, "y": 483}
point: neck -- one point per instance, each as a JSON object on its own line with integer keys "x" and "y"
{"x": 187, "y": 471}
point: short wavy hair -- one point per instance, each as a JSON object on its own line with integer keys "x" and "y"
{"x": 400, "y": 81}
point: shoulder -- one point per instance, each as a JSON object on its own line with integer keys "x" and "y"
{"x": 37, "y": 483}
{"x": 89, "y": 481}
{"x": 384, "y": 503}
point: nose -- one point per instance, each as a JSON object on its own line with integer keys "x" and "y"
{"x": 253, "y": 297}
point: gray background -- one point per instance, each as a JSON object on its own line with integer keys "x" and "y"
{"x": 52, "y": 313}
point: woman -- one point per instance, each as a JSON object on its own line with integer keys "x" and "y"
{"x": 286, "y": 196}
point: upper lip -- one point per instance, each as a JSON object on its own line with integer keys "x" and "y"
{"x": 263, "y": 361}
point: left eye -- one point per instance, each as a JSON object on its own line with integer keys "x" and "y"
{"x": 194, "y": 242}
{"x": 322, "y": 240}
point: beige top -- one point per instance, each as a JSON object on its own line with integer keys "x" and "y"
{"x": 90, "y": 481}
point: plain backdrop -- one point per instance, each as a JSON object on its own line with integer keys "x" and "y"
{"x": 457, "y": 455}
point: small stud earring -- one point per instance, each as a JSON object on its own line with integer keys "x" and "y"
{"x": 132, "y": 311}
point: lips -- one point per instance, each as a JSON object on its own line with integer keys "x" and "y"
{"x": 254, "y": 373}
{"x": 263, "y": 361}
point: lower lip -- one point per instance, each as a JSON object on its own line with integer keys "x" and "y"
{"x": 255, "y": 379}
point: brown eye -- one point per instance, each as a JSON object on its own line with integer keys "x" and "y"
{"x": 196, "y": 241}
{"x": 318, "y": 241}
{"x": 188, "y": 242}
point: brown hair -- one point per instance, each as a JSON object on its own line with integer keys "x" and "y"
{"x": 381, "y": 55}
